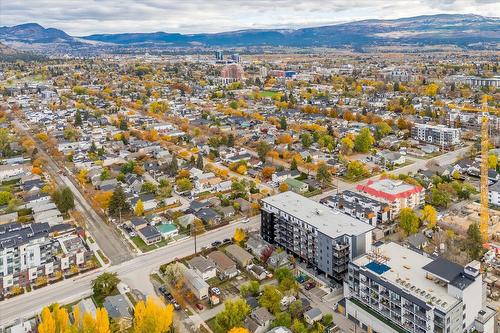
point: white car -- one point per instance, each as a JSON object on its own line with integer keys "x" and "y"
{"x": 215, "y": 291}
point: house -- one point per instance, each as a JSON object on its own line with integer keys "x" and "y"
{"x": 279, "y": 260}
{"x": 167, "y": 230}
{"x": 418, "y": 241}
{"x": 389, "y": 158}
{"x": 313, "y": 315}
{"x": 255, "y": 244}
{"x": 85, "y": 306}
{"x": 227, "y": 211}
{"x": 242, "y": 257}
{"x": 244, "y": 204}
{"x": 226, "y": 268}
{"x": 208, "y": 216}
{"x": 8, "y": 172}
{"x": 150, "y": 235}
{"x": 257, "y": 271}
{"x": 117, "y": 307}
{"x": 259, "y": 320}
{"x": 203, "y": 267}
{"x": 185, "y": 220}
{"x": 138, "y": 222}
{"x": 196, "y": 284}
{"x": 296, "y": 185}
{"x": 281, "y": 176}
{"x": 148, "y": 200}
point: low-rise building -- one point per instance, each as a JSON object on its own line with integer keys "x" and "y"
{"x": 438, "y": 135}
{"x": 196, "y": 284}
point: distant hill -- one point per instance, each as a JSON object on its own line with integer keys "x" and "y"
{"x": 466, "y": 31}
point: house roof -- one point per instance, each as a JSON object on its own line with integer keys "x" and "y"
{"x": 117, "y": 306}
{"x": 238, "y": 253}
{"x": 201, "y": 264}
{"x": 150, "y": 232}
{"x": 220, "y": 259}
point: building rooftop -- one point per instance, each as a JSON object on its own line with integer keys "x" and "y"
{"x": 327, "y": 221}
{"x": 389, "y": 189}
{"x": 408, "y": 270}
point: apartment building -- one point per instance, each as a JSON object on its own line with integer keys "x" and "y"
{"x": 29, "y": 251}
{"x": 360, "y": 206}
{"x": 396, "y": 289}
{"x": 323, "y": 238}
{"x": 396, "y": 193}
{"x": 438, "y": 135}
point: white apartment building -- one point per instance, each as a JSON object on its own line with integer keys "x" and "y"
{"x": 438, "y": 135}
{"x": 396, "y": 289}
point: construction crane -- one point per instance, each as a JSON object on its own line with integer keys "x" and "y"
{"x": 484, "y": 215}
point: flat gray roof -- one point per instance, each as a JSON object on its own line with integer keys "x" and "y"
{"x": 329, "y": 222}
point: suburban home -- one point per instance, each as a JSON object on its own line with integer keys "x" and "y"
{"x": 226, "y": 268}
{"x": 186, "y": 220}
{"x": 150, "y": 235}
{"x": 208, "y": 216}
{"x": 244, "y": 204}
{"x": 389, "y": 158}
{"x": 418, "y": 241}
{"x": 196, "y": 284}
{"x": 8, "y": 172}
{"x": 296, "y": 185}
{"x": 138, "y": 222}
{"x": 259, "y": 320}
{"x": 255, "y": 244}
{"x": 257, "y": 271}
{"x": 281, "y": 176}
{"x": 279, "y": 260}
{"x": 242, "y": 257}
{"x": 227, "y": 211}
{"x": 203, "y": 267}
{"x": 117, "y": 308}
{"x": 313, "y": 315}
{"x": 167, "y": 230}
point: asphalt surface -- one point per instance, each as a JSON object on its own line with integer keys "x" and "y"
{"x": 134, "y": 272}
{"x": 108, "y": 238}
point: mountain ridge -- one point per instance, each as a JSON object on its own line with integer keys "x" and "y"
{"x": 463, "y": 30}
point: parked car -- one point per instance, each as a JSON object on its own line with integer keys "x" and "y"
{"x": 226, "y": 241}
{"x": 215, "y": 291}
{"x": 199, "y": 306}
{"x": 216, "y": 243}
{"x": 309, "y": 285}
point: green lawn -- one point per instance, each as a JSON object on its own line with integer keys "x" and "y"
{"x": 146, "y": 248}
{"x": 268, "y": 93}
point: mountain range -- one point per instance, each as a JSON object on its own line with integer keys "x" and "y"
{"x": 462, "y": 30}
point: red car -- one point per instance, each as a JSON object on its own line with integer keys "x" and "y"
{"x": 309, "y": 285}
{"x": 199, "y": 306}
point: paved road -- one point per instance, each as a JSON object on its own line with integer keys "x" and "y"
{"x": 134, "y": 272}
{"x": 105, "y": 235}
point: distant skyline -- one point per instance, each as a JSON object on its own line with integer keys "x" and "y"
{"x": 85, "y": 17}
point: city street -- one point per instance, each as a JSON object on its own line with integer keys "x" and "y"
{"x": 134, "y": 272}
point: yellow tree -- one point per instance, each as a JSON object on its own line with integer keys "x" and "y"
{"x": 139, "y": 208}
{"x": 238, "y": 330}
{"x": 239, "y": 235}
{"x": 283, "y": 187}
{"x": 101, "y": 321}
{"x": 152, "y": 316}
{"x": 429, "y": 214}
{"x": 47, "y": 323}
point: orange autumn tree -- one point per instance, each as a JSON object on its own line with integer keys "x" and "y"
{"x": 238, "y": 330}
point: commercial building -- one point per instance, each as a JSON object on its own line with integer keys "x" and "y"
{"x": 232, "y": 73}
{"x": 438, "y": 135}
{"x": 396, "y": 193}
{"x": 396, "y": 289}
{"x": 323, "y": 238}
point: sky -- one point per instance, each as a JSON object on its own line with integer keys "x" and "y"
{"x": 84, "y": 17}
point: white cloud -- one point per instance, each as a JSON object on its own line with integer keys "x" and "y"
{"x": 82, "y": 17}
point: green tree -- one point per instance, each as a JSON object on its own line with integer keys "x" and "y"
{"x": 296, "y": 308}
{"x": 105, "y": 284}
{"x": 250, "y": 289}
{"x": 363, "y": 141}
{"x": 408, "y": 221}
{"x": 5, "y": 197}
{"x": 298, "y": 326}
{"x": 306, "y": 139}
{"x": 346, "y": 145}
{"x": 474, "y": 241}
{"x": 148, "y": 187}
{"x": 293, "y": 164}
{"x": 271, "y": 298}
{"x": 283, "y": 319}
{"x": 283, "y": 124}
{"x": 382, "y": 130}
{"x": 230, "y": 140}
{"x": 118, "y": 203}
{"x": 262, "y": 149}
{"x": 439, "y": 198}
{"x": 183, "y": 185}
{"x": 173, "y": 166}
{"x": 283, "y": 273}
{"x": 67, "y": 200}
{"x": 199, "y": 161}
{"x": 105, "y": 174}
{"x": 357, "y": 170}
{"x": 233, "y": 315}
{"x": 323, "y": 174}
{"x": 78, "y": 119}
